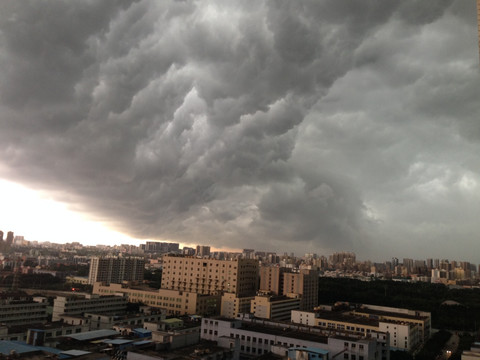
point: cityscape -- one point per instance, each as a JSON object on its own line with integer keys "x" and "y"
{"x": 239, "y": 180}
{"x": 158, "y": 300}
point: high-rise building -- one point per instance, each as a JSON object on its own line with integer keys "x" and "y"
{"x": 9, "y": 238}
{"x": 271, "y": 279}
{"x": 202, "y": 251}
{"x": 284, "y": 281}
{"x": 1, "y": 235}
{"x": 161, "y": 247}
{"x": 116, "y": 269}
{"x": 210, "y": 276}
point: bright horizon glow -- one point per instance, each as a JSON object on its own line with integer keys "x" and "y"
{"x": 37, "y": 217}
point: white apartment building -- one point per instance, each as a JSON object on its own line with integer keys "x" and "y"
{"x": 403, "y": 335}
{"x": 254, "y": 338}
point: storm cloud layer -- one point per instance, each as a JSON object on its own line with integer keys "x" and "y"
{"x": 279, "y": 125}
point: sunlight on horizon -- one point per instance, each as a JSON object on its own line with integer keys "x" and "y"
{"x": 33, "y": 215}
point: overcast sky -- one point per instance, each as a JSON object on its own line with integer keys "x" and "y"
{"x": 304, "y": 126}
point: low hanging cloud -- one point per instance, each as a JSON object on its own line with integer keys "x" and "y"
{"x": 277, "y": 125}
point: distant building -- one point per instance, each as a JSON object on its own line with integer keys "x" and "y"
{"x": 116, "y": 269}
{"x": 9, "y": 239}
{"x": 161, "y": 247}
{"x": 202, "y": 251}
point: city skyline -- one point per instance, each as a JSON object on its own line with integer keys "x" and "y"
{"x": 324, "y": 126}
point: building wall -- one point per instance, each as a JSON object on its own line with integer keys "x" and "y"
{"x": 303, "y": 317}
{"x": 305, "y": 283}
{"x": 258, "y": 342}
{"x": 116, "y": 269}
{"x": 233, "y": 305}
{"x": 275, "y": 308}
{"x": 403, "y": 336}
{"x": 22, "y": 312}
{"x": 271, "y": 279}
{"x": 76, "y": 305}
{"x": 210, "y": 276}
{"x": 175, "y": 302}
{"x": 421, "y": 318}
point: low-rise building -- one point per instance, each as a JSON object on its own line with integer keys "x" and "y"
{"x": 250, "y": 337}
{"x": 17, "y": 308}
{"x": 79, "y": 305}
{"x": 403, "y": 335}
{"x": 232, "y": 305}
{"x": 174, "y": 301}
{"x": 274, "y": 307}
{"x": 420, "y": 318}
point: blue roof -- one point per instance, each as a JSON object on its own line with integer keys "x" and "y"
{"x": 143, "y": 342}
{"x": 6, "y": 347}
{"x": 142, "y": 331}
{"x": 75, "y": 352}
{"x": 118, "y": 341}
{"x": 91, "y": 335}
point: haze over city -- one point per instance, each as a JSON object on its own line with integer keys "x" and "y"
{"x": 308, "y": 126}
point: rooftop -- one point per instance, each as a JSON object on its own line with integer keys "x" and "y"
{"x": 92, "y": 335}
{"x": 346, "y": 317}
{"x": 285, "y": 331}
{"x": 389, "y": 313}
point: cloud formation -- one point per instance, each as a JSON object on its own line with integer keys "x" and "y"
{"x": 298, "y": 126}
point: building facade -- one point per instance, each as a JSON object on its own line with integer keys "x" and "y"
{"x": 17, "y": 308}
{"x": 274, "y": 307}
{"x": 175, "y": 302}
{"x": 285, "y": 281}
{"x": 115, "y": 269}
{"x": 79, "y": 305}
{"x": 254, "y": 338}
{"x": 210, "y": 276}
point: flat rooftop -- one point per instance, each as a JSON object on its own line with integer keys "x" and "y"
{"x": 389, "y": 313}
{"x": 346, "y": 317}
{"x": 284, "y": 331}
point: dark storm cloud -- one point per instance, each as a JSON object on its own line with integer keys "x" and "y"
{"x": 275, "y": 124}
